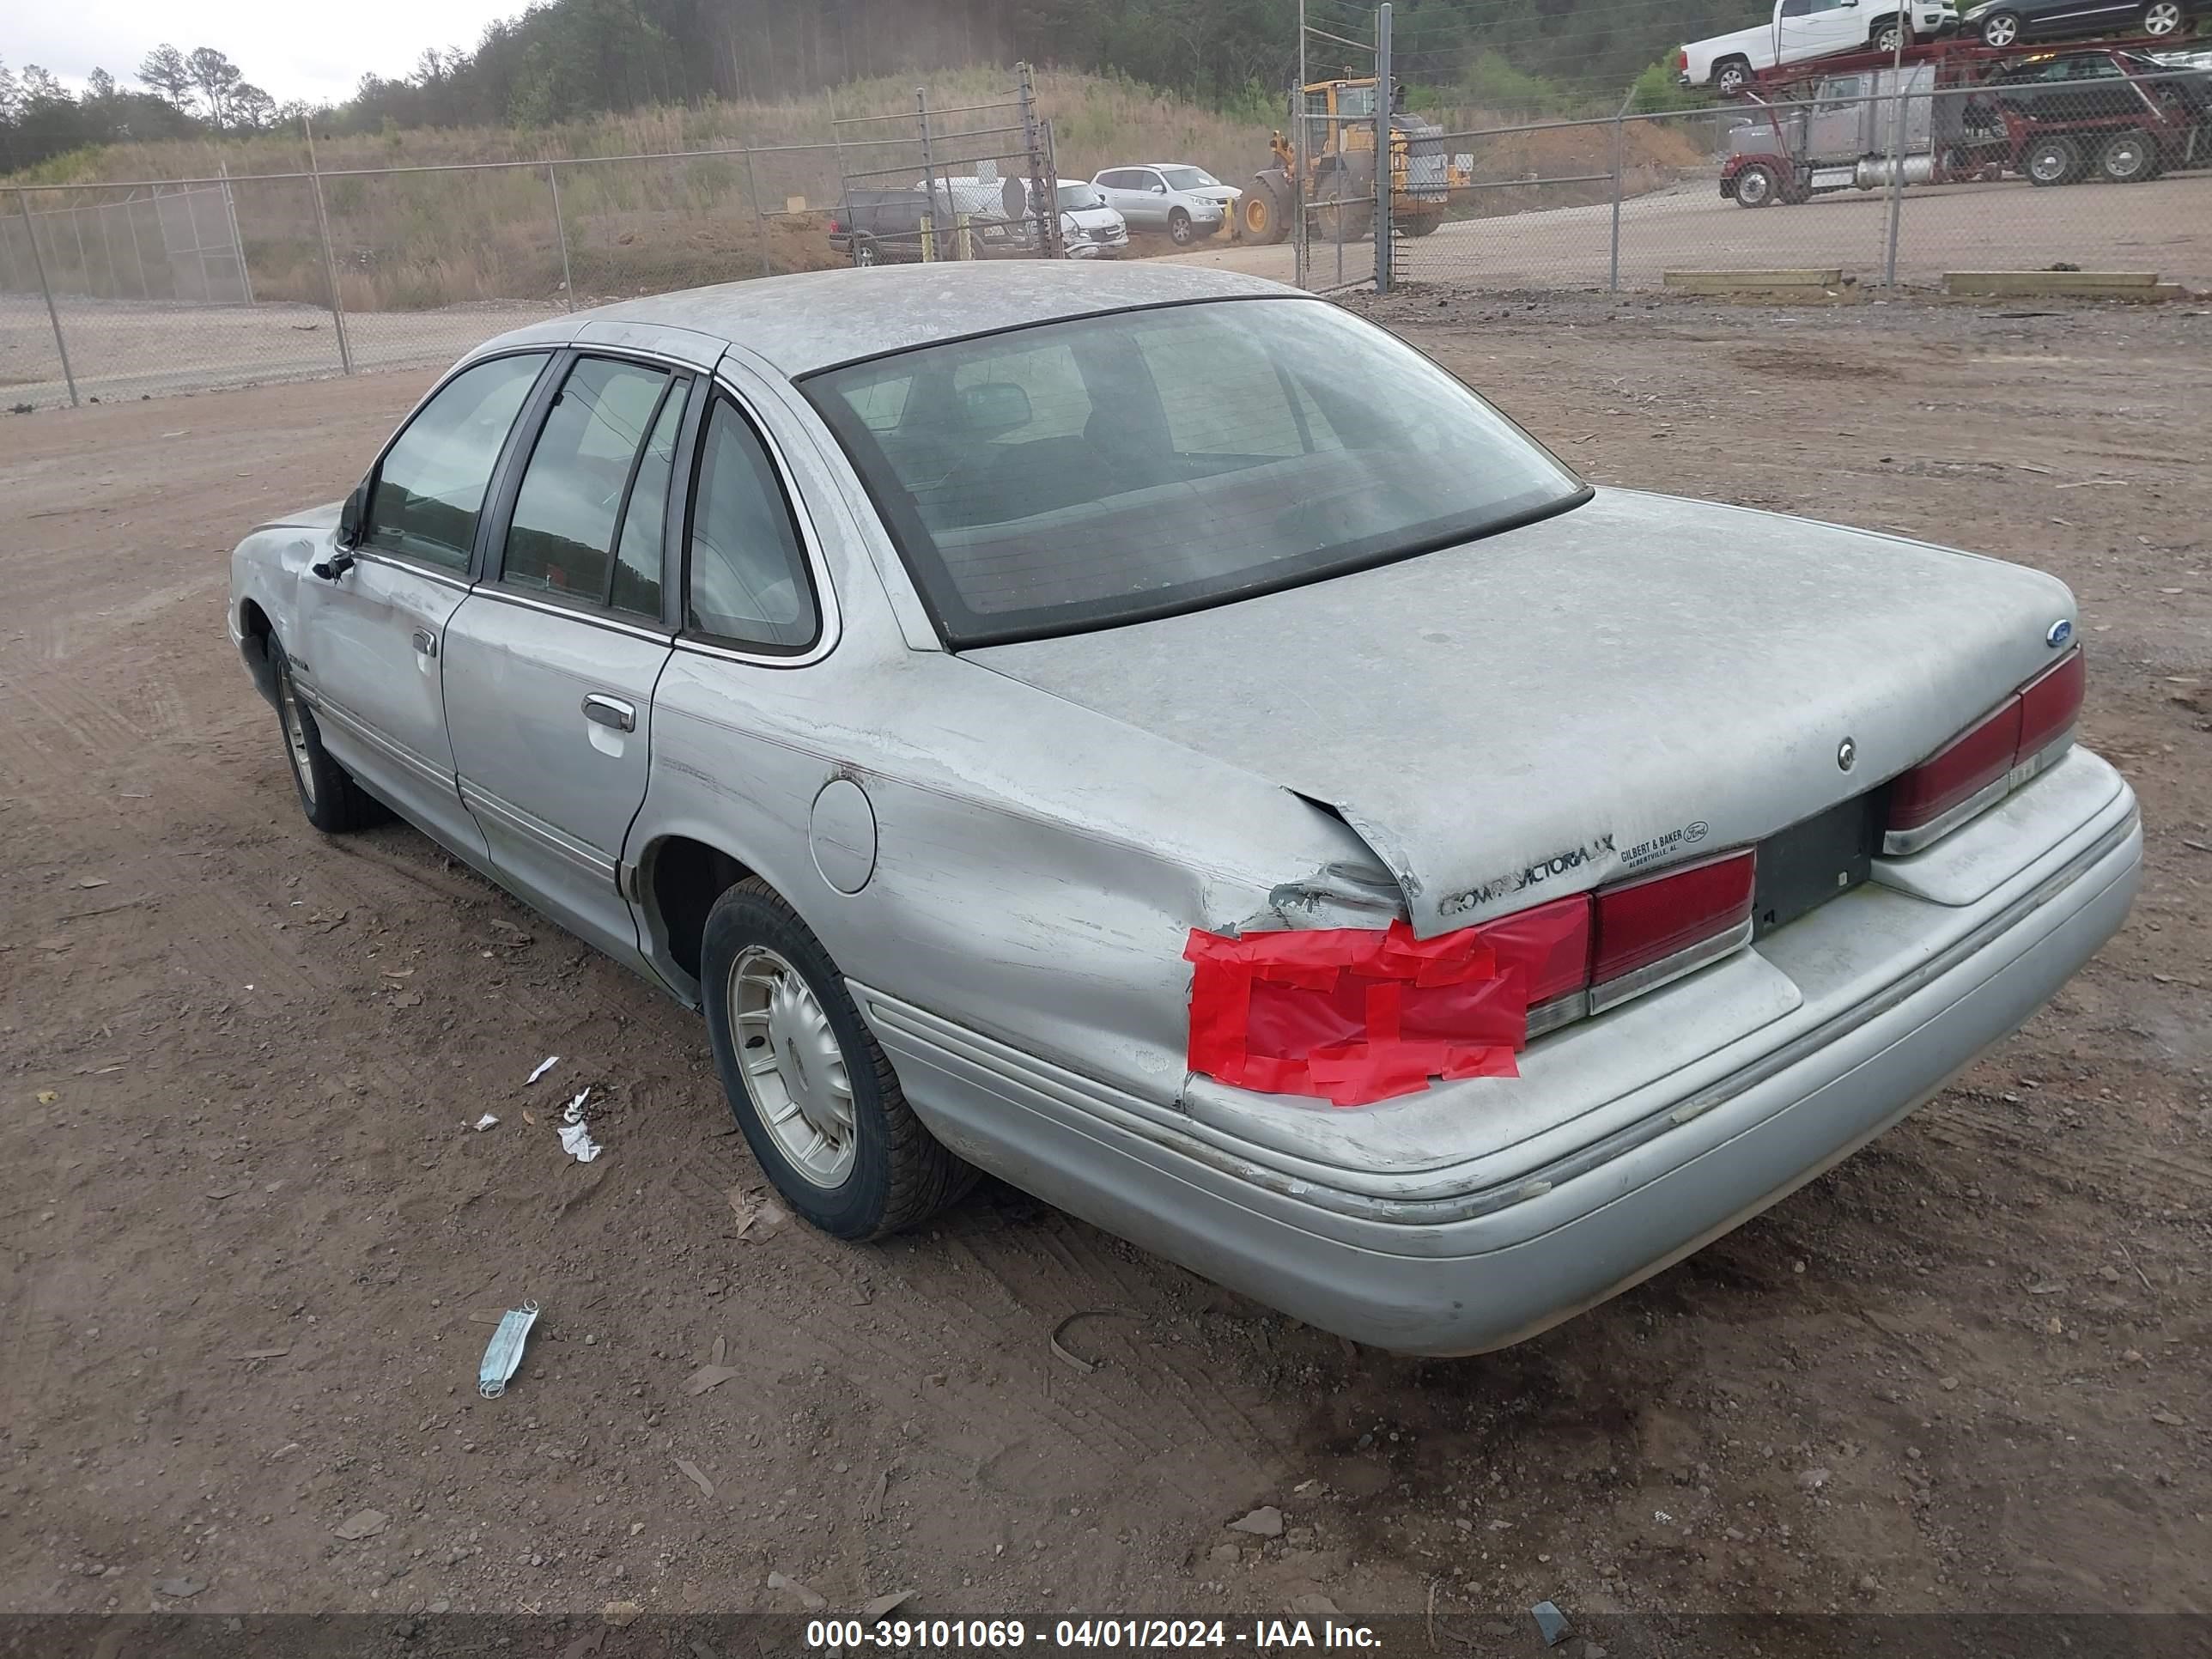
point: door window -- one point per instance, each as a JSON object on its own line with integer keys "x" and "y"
{"x": 592, "y": 459}
{"x": 748, "y": 579}
{"x": 431, "y": 486}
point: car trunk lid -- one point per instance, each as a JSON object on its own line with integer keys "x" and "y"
{"x": 1636, "y": 684}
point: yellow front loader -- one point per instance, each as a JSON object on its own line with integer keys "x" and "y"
{"x": 1339, "y": 183}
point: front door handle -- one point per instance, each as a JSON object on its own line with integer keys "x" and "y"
{"x": 602, "y": 710}
{"x": 425, "y": 643}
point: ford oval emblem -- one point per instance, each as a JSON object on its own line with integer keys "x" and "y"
{"x": 2059, "y": 633}
{"x": 1847, "y": 754}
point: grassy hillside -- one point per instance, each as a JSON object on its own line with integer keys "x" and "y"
{"x": 415, "y": 240}
{"x": 461, "y": 231}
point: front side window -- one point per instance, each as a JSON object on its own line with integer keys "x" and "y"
{"x": 748, "y": 579}
{"x": 577, "y": 488}
{"x": 431, "y": 486}
{"x": 1091, "y": 473}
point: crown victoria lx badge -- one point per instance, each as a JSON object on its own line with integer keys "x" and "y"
{"x": 1847, "y": 754}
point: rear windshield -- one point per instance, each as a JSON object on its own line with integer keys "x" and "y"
{"x": 1085, "y": 474}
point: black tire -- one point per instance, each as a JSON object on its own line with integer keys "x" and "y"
{"x": 901, "y": 1175}
{"x": 2001, "y": 28}
{"x": 1264, "y": 215}
{"x": 2128, "y": 158}
{"x": 1758, "y": 185}
{"x": 1179, "y": 227}
{"x": 1883, "y": 36}
{"x": 2056, "y": 160}
{"x": 2165, "y": 18}
{"x": 1730, "y": 76}
{"x": 1420, "y": 224}
{"x": 333, "y": 802}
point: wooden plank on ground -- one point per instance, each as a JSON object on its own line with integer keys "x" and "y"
{"x": 2105, "y": 285}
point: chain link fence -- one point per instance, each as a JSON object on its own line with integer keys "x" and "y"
{"x": 128, "y": 290}
{"x": 116, "y": 291}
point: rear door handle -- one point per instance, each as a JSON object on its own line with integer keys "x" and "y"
{"x": 426, "y": 642}
{"x": 602, "y": 710}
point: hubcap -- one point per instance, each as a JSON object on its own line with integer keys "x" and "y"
{"x": 2048, "y": 164}
{"x": 2161, "y": 19}
{"x": 2001, "y": 31}
{"x": 2124, "y": 161}
{"x": 794, "y": 1065}
{"x": 1753, "y": 186}
{"x": 295, "y": 736}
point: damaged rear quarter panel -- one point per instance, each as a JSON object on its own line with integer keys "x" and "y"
{"x": 1039, "y": 866}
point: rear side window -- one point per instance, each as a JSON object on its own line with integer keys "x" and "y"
{"x": 577, "y": 484}
{"x": 748, "y": 582}
{"x": 431, "y": 486}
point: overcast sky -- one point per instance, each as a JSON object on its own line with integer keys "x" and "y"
{"x": 289, "y": 48}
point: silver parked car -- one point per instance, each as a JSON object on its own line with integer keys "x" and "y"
{"x": 1185, "y": 203}
{"x": 1147, "y": 733}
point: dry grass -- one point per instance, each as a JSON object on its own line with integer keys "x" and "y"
{"x": 460, "y": 229}
{"x": 415, "y": 240}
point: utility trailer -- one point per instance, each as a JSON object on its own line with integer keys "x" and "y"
{"x": 2051, "y": 114}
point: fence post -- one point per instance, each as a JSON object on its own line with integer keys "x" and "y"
{"x": 237, "y": 241}
{"x": 1299, "y": 258}
{"x": 138, "y": 254}
{"x": 1044, "y": 192}
{"x": 928, "y": 177}
{"x": 1386, "y": 192}
{"x": 1902, "y": 28}
{"x": 760, "y": 219}
{"x": 39, "y": 265}
{"x": 330, "y": 265}
{"x": 560, "y": 230}
{"x": 1620, "y": 166}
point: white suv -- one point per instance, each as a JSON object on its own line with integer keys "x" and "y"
{"x": 1801, "y": 29}
{"x": 1185, "y": 203}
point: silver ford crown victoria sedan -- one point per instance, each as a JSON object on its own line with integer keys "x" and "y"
{"x": 1150, "y": 735}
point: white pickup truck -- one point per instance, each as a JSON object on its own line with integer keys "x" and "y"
{"x": 1807, "y": 29}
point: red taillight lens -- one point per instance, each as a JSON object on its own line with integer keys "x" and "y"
{"x": 1648, "y": 924}
{"x": 1979, "y": 767}
{"x": 2049, "y": 704}
{"x": 1682, "y": 61}
{"x": 1956, "y": 772}
{"x": 1549, "y": 946}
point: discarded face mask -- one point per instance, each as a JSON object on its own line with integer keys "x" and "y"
{"x": 503, "y": 1353}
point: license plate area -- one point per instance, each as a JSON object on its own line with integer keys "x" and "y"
{"x": 1803, "y": 868}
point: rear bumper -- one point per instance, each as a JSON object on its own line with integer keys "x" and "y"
{"x": 1463, "y": 1272}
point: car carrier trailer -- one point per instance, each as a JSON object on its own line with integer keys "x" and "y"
{"x": 2051, "y": 115}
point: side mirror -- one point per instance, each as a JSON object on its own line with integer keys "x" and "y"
{"x": 351, "y": 515}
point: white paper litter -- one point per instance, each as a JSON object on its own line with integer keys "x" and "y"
{"x": 573, "y": 1111}
{"x": 576, "y": 1142}
{"x": 487, "y": 1122}
{"x": 544, "y": 1066}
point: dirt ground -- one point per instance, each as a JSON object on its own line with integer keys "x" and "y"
{"x": 2163, "y": 226}
{"x": 253, "y": 1243}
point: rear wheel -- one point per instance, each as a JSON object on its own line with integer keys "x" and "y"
{"x": 2129, "y": 157}
{"x": 2053, "y": 161}
{"x": 815, "y": 1095}
{"x": 2001, "y": 28}
{"x": 1731, "y": 77}
{"x": 1757, "y": 186}
{"x": 2164, "y": 17}
{"x": 1180, "y": 230}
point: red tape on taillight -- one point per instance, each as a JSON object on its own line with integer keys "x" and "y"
{"x": 1982, "y": 765}
{"x": 1354, "y": 1015}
